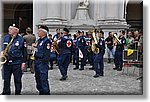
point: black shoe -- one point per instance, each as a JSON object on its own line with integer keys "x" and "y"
{"x": 75, "y": 68}
{"x": 91, "y": 68}
{"x": 109, "y": 62}
{"x": 81, "y": 69}
{"x": 96, "y": 75}
{"x": 63, "y": 78}
{"x": 51, "y": 68}
{"x": 115, "y": 68}
{"x": 120, "y": 69}
{"x": 101, "y": 75}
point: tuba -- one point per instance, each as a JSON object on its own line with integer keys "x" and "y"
{"x": 3, "y": 58}
{"x": 93, "y": 47}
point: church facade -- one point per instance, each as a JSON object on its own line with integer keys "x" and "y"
{"x": 106, "y": 15}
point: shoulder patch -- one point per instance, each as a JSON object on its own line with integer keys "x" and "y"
{"x": 48, "y": 46}
{"x": 69, "y": 43}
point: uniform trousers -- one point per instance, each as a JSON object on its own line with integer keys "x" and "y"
{"x": 41, "y": 76}
{"x": 17, "y": 73}
{"x": 63, "y": 63}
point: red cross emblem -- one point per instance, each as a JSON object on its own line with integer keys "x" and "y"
{"x": 88, "y": 43}
{"x": 69, "y": 43}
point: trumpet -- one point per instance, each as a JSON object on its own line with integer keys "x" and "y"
{"x": 33, "y": 55}
{"x": 3, "y": 58}
{"x": 115, "y": 36}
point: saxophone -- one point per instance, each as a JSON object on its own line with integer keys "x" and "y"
{"x": 3, "y": 58}
{"x": 93, "y": 47}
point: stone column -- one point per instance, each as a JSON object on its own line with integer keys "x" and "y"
{"x": 39, "y": 12}
{"x": 111, "y": 9}
{"x": 53, "y": 9}
{"x": 121, "y": 9}
{"x": 66, "y": 10}
{"x": 101, "y": 9}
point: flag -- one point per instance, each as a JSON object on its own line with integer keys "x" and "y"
{"x": 130, "y": 52}
{"x": 80, "y": 54}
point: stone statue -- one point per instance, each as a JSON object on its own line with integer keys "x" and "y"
{"x": 84, "y": 3}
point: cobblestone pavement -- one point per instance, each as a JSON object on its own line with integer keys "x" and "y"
{"x": 82, "y": 82}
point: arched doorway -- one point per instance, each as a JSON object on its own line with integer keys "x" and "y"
{"x": 22, "y": 14}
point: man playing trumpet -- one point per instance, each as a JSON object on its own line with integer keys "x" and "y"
{"x": 119, "y": 42}
{"x": 42, "y": 58}
{"x": 98, "y": 58}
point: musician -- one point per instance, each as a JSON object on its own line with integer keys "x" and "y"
{"x": 52, "y": 53}
{"x": 42, "y": 58}
{"x": 65, "y": 45}
{"x": 81, "y": 43}
{"x": 57, "y": 35}
{"x": 30, "y": 39}
{"x": 119, "y": 52}
{"x": 74, "y": 48}
{"x": 98, "y": 58}
{"x": 16, "y": 59}
{"x": 88, "y": 55}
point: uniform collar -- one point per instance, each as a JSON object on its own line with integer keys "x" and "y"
{"x": 43, "y": 38}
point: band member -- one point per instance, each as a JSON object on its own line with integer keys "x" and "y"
{"x": 90, "y": 53}
{"x": 30, "y": 39}
{"x": 52, "y": 53}
{"x": 110, "y": 50}
{"x": 16, "y": 59}
{"x": 65, "y": 45}
{"x": 81, "y": 43}
{"x": 98, "y": 58}
{"x": 42, "y": 58}
{"x": 88, "y": 56}
{"x": 119, "y": 53}
{"x": 57, "y": 35}
{"x": 74, "y": 48}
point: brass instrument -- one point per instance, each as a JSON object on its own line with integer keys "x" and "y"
{"x": 33, "y": 55}
{"x": 93, "y": 47}
{"x": 3, "y": 58}
{"x": 117, "y": 39}
{"x": 89, "y": 49}
{"x": 55, "y": 47}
